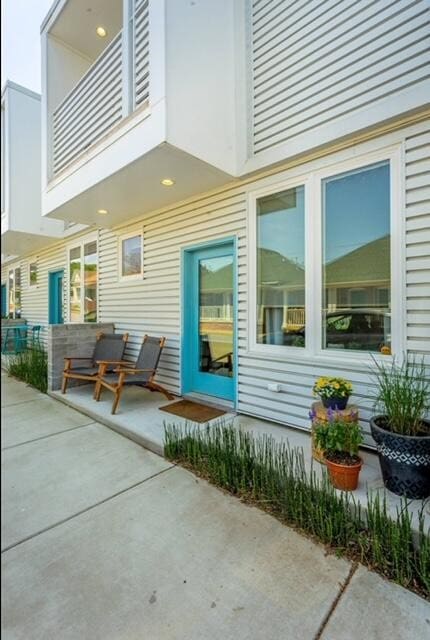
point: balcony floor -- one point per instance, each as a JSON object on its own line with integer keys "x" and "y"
{"x": 140, "y": 419}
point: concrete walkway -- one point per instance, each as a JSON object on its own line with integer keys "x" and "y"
{"x": 102, "y": 539}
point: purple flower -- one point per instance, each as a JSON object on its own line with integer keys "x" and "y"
{"x": 312, "y": 414}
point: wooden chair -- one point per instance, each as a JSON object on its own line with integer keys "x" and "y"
{"x": 109, "y": 348}
{"x": 141, "y": 373}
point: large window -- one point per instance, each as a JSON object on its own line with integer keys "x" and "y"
{"x": 83, "y": 276}
{"x": 281, "y": 268}
{"x": 356, "y": 260}
{"x": 14, "y": 293}
{"x": 131, "y": 255}
{"x": 342, "y": 261}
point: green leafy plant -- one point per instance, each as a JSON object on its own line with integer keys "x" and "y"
{"x": 30, "y": 366}
{"x": 273, "y": 476}
{"x": 337, "y": 435}
{"x": 403, "y": 394}
{"x": 326, "y": 387}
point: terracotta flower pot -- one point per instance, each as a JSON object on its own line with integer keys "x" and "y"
{"x": 343, "y": 476}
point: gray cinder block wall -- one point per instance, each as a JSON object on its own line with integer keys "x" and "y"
{"x": 68, "y": 340}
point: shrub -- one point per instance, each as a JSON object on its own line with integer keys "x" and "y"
{"x": 30, "y": 366}
{"x": 403, "y": 395}
{"x": 273, "y": 476}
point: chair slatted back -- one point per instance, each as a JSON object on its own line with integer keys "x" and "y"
{"x": 149, "y": 356}
{"x": 110, "y": 346}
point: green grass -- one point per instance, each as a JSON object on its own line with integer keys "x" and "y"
{"x": 273, "y": 476}
{"x": 30, "y": 366}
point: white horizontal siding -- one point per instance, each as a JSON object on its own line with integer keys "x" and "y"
{"x": 153, "y": 304}
{"x": 417, "y": 170}
{"x": 35, "y": 299}
{"x": 313, "y": 62}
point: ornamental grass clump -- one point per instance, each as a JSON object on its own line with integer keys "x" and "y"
{"x": 273, "y": 476}
{"x": 30, "y": 366}
{"x": 403, "y": 395}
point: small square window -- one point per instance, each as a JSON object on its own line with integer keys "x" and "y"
{"x": 32, "y": 273}
{"x": 131, "y": 256}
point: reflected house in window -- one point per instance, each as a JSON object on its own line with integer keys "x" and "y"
{"x": 281, "y": 297}
{"x": 360, "y": 278}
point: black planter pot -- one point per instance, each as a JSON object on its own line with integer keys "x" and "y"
{"x": 404, "y": 460}
{"x": 335, "y": 403}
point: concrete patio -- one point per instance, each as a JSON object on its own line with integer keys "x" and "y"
{"x": 103, "y": 539}
{"x": 140, "y": 419}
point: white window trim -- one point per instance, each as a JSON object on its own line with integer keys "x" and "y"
{"x": 121, "y": 238}
{"x": 31, "y": 262}
{"x": 312, "y": 182}
{"x": 80, "y": 242}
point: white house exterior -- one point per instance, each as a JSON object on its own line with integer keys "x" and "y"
{"x": 294, "y": 241}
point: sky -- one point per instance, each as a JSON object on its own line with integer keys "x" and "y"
{"x": 20, "y": 34}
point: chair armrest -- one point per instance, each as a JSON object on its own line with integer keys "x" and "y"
{"x": 74, "y": 358}
{"x": 120, "y": 362}
{"x": 121, "y": 370}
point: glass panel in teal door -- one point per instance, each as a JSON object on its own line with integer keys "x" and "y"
{"x": 56, "y": 297}
{"x": 210, "y": 322}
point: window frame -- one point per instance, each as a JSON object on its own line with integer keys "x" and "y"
{"x": 32, "y": 262}
{"x": 121, "y": 238}
{"x": 13, "y": 269}
{"x": 80, "y": 243}
{"x": 312, "y": 181}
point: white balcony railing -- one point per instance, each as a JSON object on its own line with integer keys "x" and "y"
{"x": 141, "y": 52}
{"x": 92, "y": 107}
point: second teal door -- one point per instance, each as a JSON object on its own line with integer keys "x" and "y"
{"x": 209, "y": 365}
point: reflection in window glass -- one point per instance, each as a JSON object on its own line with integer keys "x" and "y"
{"x": 90, "y": 282}
{"x": 15, "y": 293}
{"x": 281, "y": 268}
{"x": 216, "y": 316}
{"x": 33, "y": 273}
{"x": 356, "y": 260}
{"x": 131, "y": 256}
{"x": 75, "y": 284}
{"x": 11, "y": 289}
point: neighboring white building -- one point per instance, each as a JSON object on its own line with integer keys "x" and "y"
{"x": 292, "y": 237}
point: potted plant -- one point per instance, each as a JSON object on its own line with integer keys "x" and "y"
{"x": 339, "y": 439}
{"x": 401, "y": 430}
{"x": 334, "y": 392}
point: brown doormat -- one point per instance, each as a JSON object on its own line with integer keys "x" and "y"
{"x": 193, "y": 411}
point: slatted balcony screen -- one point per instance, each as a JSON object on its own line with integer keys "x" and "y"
{"x": 91, "y": 109}
{"x": 141, "y": 52}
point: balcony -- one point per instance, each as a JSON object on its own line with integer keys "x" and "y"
{"x": 92, "y": 108}
{"x": 124, "y": 111}
{"x": 23, "y": 228}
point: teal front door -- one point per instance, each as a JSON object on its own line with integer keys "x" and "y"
{"x": 209, "y": 331}
{"x": 56, "y": 297}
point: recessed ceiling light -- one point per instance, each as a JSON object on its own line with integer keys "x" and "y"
{"x": 167, "y": 182}
{"x": 102, "y": 212}
{"x": 101, "y": 31}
